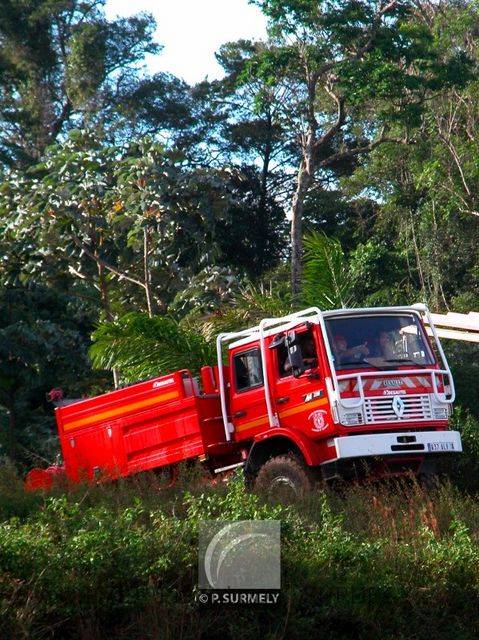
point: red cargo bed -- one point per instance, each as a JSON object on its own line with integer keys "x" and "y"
{"x": 147, "y": 425}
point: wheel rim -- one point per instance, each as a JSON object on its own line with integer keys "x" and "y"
{"x": 283, "y": 486}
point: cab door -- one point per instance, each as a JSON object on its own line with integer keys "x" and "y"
{"x": 301, "y": 402}
{"x": 248, "y": 405}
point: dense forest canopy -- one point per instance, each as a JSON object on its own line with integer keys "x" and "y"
{"x": 334, "y": 163}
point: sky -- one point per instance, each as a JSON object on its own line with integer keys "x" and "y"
{"x": 192, "y": 30}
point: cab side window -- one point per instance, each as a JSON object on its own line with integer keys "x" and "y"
{"x": 248, "y": 370}
{"x": 308, "y": 351}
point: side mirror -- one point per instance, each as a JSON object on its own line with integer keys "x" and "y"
{"x": 295, "y": 356}
{"x": 278, "y": 341}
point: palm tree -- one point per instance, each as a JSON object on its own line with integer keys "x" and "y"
{"x": 141, "y": 347}
{"x": 326, "y": 276}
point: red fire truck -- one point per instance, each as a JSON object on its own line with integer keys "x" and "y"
{"x": 310, "y": 395}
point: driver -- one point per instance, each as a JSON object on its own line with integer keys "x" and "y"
{"x": 345, "y": 354}
{"x": 308, "y": 351}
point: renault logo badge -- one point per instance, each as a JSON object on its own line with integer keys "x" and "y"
{"x": 398, "y": 406}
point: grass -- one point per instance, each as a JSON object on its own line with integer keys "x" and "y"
{"x": 119, "y": 561}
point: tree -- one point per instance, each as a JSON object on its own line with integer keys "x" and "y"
{"x": 253, "y": 128}
{"x": 349, "y": 70}
{"x": 139, "y": 346}
{"x": 427, "y": 190}
{"x": 40, "y": 330}
{"x": 327, "y": 281}
{"x": 252, "y": 238}
{"x": 62, "y": 64}
{"x": 143, "y": 347}
{"x": 120, "y": 220}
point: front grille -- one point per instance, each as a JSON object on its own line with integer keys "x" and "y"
{"x": 416, "y": 407}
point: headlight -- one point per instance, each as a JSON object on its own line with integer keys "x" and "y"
{"x": 440, "y": 413}
{"x": 352, "y": 417}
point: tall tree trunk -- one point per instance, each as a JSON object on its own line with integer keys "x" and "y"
{"x": 418, "y": 258}
{"x": 303, "y": 184}
{"x": 146, "y": 271}
{"x": 263, "y": 208}
{"x": 264, "y": 178}
{"x": 105, "y": 300}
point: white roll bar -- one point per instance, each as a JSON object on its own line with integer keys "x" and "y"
{"x": 296, "y": 318}
{"x": 221, "y": 338}
{"x": 315, "y": 314}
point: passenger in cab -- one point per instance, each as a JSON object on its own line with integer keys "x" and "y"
{"x": 386, "y": 345}
{"x": 348, "y": 355}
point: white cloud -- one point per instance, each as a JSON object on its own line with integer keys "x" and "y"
{"x": 192, "y": 30}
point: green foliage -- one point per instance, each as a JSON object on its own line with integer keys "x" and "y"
{"x": 143, "y": 347}
{"x": 326, "y": 276}
{"x": 252, "y": 303}
{"x": 379, "y": 275}
{"x": 207, "y": 291}
{"x": 464, "y": 471}
{"x": 135, "y": 215}
{"x": 120, "y": 559}
{"x": 63, "y": 62}
{"x": 39, "y": 331}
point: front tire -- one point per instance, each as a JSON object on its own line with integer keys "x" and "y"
{"x": 284, "y": 478}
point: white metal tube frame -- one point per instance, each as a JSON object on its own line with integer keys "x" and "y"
{"x": 299, "y": 317}
{"x": 398, "y": 372}
{"x": 443, "y": 357}
{"x": 221, "y": 338}
{"x": 295, "y": 318}
{"x": 314, "y": 312}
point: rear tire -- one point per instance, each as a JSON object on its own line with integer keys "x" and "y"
{"x": 284, "y": 477}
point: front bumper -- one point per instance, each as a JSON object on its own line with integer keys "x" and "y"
{"x": 387, "y": 444}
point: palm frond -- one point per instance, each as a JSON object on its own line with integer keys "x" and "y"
{"x": 326, "y": 280}
{"x": 249, "y": 307}
{"x": 141, "y": 347}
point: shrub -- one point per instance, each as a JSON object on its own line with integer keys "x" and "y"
{"x": 119, "y": 561}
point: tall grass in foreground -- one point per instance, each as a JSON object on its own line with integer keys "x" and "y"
{"x": 119, "y": 561}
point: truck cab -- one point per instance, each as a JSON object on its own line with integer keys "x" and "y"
{"x": 338, "y": 393}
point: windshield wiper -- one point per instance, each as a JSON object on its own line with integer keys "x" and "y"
{"x": 358, "y": 362}
{"x": 418, "y": 364}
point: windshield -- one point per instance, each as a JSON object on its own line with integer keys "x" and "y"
{"x": 380, "y": 341}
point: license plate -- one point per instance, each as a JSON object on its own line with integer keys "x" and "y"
{"x": 440, "y": 446}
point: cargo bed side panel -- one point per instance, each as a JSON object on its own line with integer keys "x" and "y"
{"x": 148, "y": 425}
{"x": 161, "y": 437}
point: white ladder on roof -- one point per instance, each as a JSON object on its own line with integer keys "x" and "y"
{"x": 456, "y": 326}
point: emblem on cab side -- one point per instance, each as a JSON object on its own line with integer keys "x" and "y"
{"x": 318, "y": 418}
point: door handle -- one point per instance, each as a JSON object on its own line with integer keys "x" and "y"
{"x": 282, "y": 400}
{"x": 239, "y": 414}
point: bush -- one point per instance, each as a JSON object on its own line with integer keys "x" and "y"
{"x": 119, "y": 561}
{"x": 463, "y": 469}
